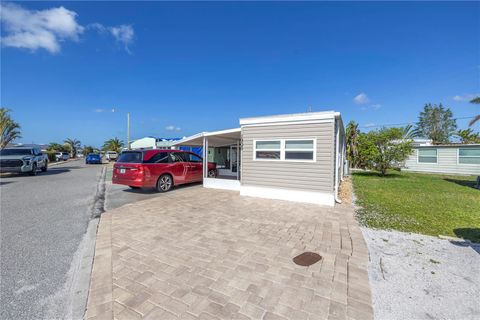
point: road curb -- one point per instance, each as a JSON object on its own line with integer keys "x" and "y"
{"x": 61, "y": 162}
{"x": 81, "y": 288}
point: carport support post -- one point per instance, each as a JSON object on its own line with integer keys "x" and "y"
{"x": 205, "y": 157}
{"x": 238, "y": 159}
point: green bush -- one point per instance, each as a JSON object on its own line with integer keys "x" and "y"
{"x": 51, "y": 156}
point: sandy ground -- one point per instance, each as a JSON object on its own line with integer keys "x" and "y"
{"x": 420, "y": 277}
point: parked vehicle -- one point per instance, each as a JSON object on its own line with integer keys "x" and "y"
{"x": 62, "y": 156}
{"x": 93, "y": 158}
{"x": 23, "y": 160}
{"x": 111, "y": 155}
{"x": 160, "y": 169}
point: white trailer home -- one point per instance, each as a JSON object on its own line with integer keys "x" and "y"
{"x": 296, "y": 157}
{"x": 449, "y": 159}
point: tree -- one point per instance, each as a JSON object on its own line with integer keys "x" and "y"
{"x": 57, "y": 147}
{"x": 352, "y": 134}
{"x": 408, "y": 132}
{"x": 74, "y": 145}
{"x": 87, "y": 150}
{"x": 384, "y": 149}
{"x": 477, "y": 117}
{"x": 436, "y": 123}
{"x": 113, "y": 144}
{"x": 10, "y": 130}
{"x": 468, "y": 136}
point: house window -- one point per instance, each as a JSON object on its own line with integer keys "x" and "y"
{"x": 269, "y": 150}
{"x": 427, "y": 155}
{"x": 285, "y": 150}
{"x": 298, "y": 149}
{"x": 469, "y": 155}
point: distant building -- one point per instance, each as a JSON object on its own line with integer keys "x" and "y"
{"x": 153, "y": 143}
{"x": 148, "y": 143}
{"x": 42, "y": 147}
{"x": 422, "y": 142}
{"x": 451, "y": 159}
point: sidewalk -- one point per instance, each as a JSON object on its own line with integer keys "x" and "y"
{"x": 199, "y": 253}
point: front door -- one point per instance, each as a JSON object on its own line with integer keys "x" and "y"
{"x": 234, "y": 165}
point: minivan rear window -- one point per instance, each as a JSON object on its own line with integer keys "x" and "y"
{"x": 130, "y": 157}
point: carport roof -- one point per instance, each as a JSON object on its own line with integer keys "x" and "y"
{"x": 215, "y": 138}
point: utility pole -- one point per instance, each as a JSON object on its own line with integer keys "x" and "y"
{"x": 128, "y": 130}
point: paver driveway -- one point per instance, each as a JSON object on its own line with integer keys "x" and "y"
{"x": 199, "y": 253}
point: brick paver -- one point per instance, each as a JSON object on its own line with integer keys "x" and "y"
{"x": 199, "y": 253}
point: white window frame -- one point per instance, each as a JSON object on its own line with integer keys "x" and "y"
{"x": 282, "y": 150}
{"x": 418, "y": 156}
{"x": 466, "y": 164}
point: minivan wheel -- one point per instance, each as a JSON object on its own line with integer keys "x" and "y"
{"x": 45, "y": 167}
{"x": 164, "y": 183}
{"x": 34, "y": 170}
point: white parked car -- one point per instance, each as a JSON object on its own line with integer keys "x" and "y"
{"x": 62, "y": 156}
{"x": 111, "y": 155}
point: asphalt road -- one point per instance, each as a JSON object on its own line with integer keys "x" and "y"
{"x": 44, "y": 240}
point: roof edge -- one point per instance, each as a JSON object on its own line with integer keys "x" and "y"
{"x": 290, "y": 117}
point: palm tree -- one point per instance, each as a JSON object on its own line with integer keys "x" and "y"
{"x": 57, "y": 147}
{"x": 87, "y": 150}
{"x": 74, "y": 144}
{"x": 408, "y": 132}
{"x": 113, "y": 144}
{"x": 352, "y": 134}
{"x": 477, "y": 117}
{"x": 9, "y": 129}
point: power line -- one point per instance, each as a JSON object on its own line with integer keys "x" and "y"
{"x": 407, "y": 123}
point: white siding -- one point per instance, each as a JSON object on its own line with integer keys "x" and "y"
{"x": 447, "y": 162}
{"x": 303, "y": 176}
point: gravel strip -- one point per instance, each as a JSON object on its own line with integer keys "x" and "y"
{"x": 414, "y": 276}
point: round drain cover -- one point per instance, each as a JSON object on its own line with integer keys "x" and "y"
{"x": 307, "y": 259}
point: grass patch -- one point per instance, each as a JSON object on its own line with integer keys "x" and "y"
{"x": 421, "y": 203}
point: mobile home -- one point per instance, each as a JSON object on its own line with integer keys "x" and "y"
{"x": 296, "y": 157}
{"x": 449, "y": 159}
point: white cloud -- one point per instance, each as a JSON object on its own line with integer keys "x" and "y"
{"x": 99, "y": 110}
{"x": 374, "y": 107}
{"x": 38, "y": 29}
{"x": 465, "y": 97}
{"x": 361, "y": 98}
{"x": 369, "y": 125}
{"x": 123, "y": 34}
{"x": 48, "y": 28}
{"x": 172, "y": 128}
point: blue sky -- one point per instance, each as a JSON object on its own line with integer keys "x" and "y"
{"x": 182, "y": 68}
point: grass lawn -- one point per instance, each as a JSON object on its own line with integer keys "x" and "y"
{"x": 421, "y": 203}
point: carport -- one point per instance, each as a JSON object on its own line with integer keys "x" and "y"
{"x": 222, "y": 147}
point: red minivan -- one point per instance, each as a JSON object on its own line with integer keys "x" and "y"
{"x": 160, "y": 169}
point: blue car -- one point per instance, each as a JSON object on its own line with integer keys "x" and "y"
{"x": 93, "y": 158}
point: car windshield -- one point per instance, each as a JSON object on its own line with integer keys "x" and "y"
{"x": 16, "y": 152}
{"x": 130, "y": 157}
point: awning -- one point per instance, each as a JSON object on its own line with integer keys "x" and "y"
{"x": 215, "y": 138}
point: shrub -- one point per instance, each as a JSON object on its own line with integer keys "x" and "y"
{"x": 51, "y": 156}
